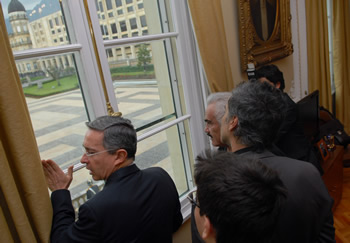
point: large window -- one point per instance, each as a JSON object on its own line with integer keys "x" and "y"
{"x": 149, "y": 78}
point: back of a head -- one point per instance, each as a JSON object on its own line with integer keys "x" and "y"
{"x": 118, "y": 133}
{"x": 272, "y": 73}
{"x": 241, "y": 197}
{"x": 260, "y": 109}
{"x": 220, "y": 100}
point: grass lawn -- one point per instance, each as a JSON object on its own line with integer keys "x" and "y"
{"x": 50, "y": 88}
{"x": 125, "y": 74}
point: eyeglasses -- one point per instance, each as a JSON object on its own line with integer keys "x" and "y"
{"x": 192, "y": 196}
{"x": 88, "y": 154}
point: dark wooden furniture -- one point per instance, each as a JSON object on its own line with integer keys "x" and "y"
{"x": 333, "y": 174}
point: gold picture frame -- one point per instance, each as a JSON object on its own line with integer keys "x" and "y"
{"x": 277, "y": 43}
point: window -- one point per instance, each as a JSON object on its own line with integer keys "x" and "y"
{"x": 50, "y": 23}
{"x": 130, "y": 9}
{"x": 110, "y": 15}
{"x": 118, "y": 3}
{"x": 109, "y": 53}
{"x": 57, "y": 21}
{"x": 109, "y": 4}
{"x": 100, "y": 6}
{"x": 143, "y": 21}
{"x": 120, "y": 11}
{"x": 122, "y": 26}
{"x": 140, "y": 5}
{"x": 104, "y": 29}
{"x": 133, "y": 24}
{"x": 152, "y": 98}
{"x": 114, "y": 28}
{"x": 128, "y": 1}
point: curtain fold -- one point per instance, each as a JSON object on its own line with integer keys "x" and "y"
{"x": 210, "y": 32}
{"x": 25, "y": 208}
{"x": 318, "y": 50}
{"x": 341, "y": 60}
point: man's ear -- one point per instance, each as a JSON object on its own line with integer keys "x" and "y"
{"x": 208, "y": 229}
{"x": 233, "y": 123}
{"x": 120, "y": 156}
{"x": 278, "y": 85}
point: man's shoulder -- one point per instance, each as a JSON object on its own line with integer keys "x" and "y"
{"x": 286, "y": 164}
{"x": 155, "y": 171}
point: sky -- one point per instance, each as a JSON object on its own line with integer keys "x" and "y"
{"x": 28, "y": 5}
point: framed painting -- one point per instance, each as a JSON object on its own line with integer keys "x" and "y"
{"x": 264, "y": 31}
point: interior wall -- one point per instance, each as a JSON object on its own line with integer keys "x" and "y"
{"x": 294, "y": 84}
{"x": 183, "y": 235}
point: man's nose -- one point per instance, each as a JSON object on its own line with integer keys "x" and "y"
{"x": 84, "y": 159}
{"x": 206, "y": 129}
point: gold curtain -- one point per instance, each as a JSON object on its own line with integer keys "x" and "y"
{"x": 210, "y": 32}
{"x": 318, "y": 50}
{"x": 25, "y": 208}
{"x": 341, "y": 60}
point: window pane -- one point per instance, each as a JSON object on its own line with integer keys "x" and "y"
{"x": 109, "y": 4}
{"x": 34, "y": 25}
{"x": 56, "y": 107}
{"x": 141, "y": 78}
{"x": 50, "y": 83}
{"x": 133, "y": 24}
{"x": 122, "y": 26}
{"x": 118, "y": 3}
{"x": 164, "y": 150}
{"x": 142, "y": 11}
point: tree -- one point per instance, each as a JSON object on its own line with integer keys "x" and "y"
{"x": 143, "y": 56}
{"x": 55, "y": 73}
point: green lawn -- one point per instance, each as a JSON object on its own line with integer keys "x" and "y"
{"x": 51, "y": 87}
{"x": 71, "y": 82}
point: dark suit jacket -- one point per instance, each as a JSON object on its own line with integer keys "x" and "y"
{"x": 291, "y": 138}
{"x": 307, "y": 215}
{"x": 134, "y": 206}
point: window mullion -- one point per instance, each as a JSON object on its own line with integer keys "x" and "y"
{"x": 88, "y": 66}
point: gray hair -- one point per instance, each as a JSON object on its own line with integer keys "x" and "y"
{"x": 118, "y": 133}
{"x": 220, "y": 100}
{"x": 260, "y": 109}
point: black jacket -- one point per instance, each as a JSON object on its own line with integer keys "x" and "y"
{"x": 134, "y": 206}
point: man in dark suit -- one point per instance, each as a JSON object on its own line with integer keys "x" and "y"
{"x": 237, "y": 199}
{"x": 291, "y": 139}
{"x": 134, "y": 206}
{"x": 253, "y": 114}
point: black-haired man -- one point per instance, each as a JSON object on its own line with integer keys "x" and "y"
{"x": 238, "y": 199}
{"x": 253, "y": 115}
{"x": 291, "y": 139}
